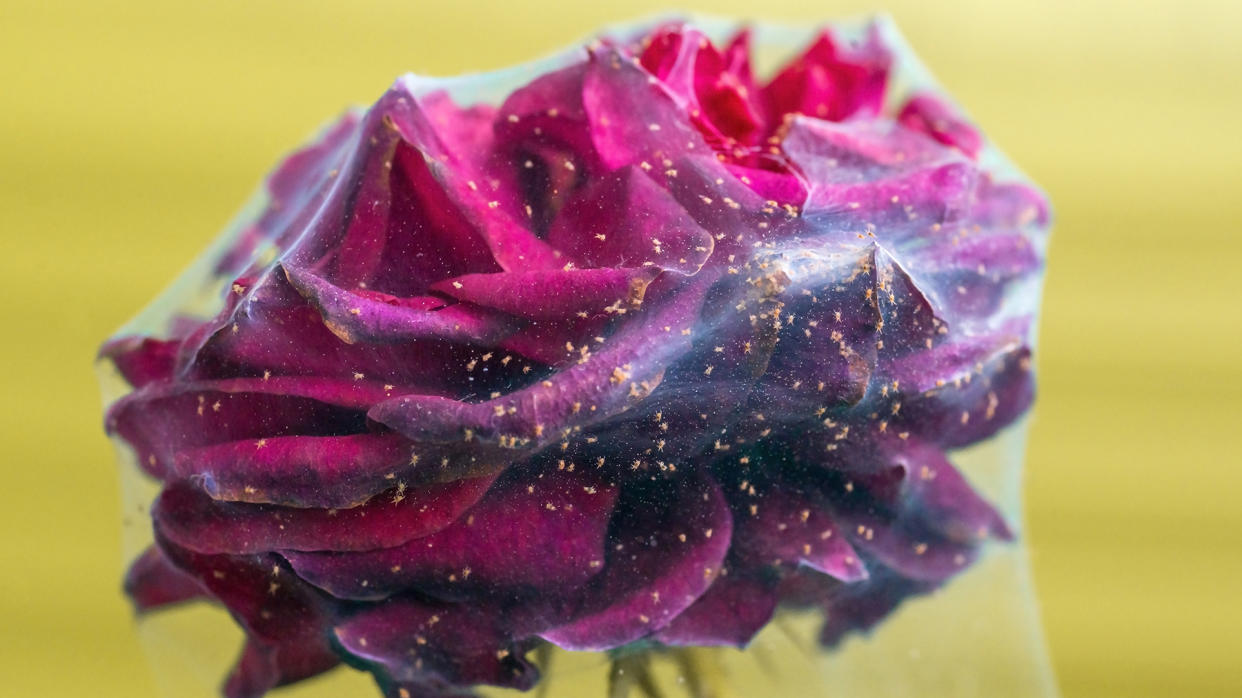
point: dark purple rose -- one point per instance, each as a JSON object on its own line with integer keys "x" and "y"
{"x": 645, "y": 352}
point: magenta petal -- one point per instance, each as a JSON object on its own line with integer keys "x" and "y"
{"x": 1009, "y": 204}
{"x": 299, "y": 471}
{"x": 534, "y": 530}
{"x": 285, "y": 619}
{"x": 652, "y": 574}
{"x": 152, "y": 582}
{"x": 713, "y": 87}
{"x": 461, "y": 173}
{"x": 274, "y": 331}
{"x": 829, "y": 81}
{"x": 969, "y": 389}
{"x": 936, "y": 493}
{"x": 625, "y": 219}
{"x": 142, "y": 360}
{"x": 791, "y": 527}
{"x": 358, "y": 318}
{"x": 880, "y": 173}
{"x": 928, "y": 114}
{"x": 733, "y": 610}
{"x": 551, "y": 294}
{"x": 975, "y": 271}
{"x": 633, "y": 117}
{"x": 617, "y": 374}
{"x": 426, "y": 648}
{"x": 161, "y": 420}
{"x": 193, "y": 520}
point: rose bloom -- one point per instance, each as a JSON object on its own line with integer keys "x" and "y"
{"x": 647, "y": 351}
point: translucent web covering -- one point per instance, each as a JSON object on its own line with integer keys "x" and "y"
{"x": 638, "y": 350}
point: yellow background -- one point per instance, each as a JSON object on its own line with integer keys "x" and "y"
{"x": 131, "y": 130}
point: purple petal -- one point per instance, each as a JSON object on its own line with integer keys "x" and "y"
{"x": 913, "y": 551}
{"x": 928, "y": 114}
{"x": 141, "y": 360}
{"x": 617, "y": 374}
{"x": 860, "y": 607}
{"x": 1009, "y": 204}
{"x": 264, "y": 666}
{"x": 536, "y": 530}
{"x": 285, "y": 620}
{"x": 457, "y": 170}
{"x": 195, "y": 521}
{"x": 634, "y": 118}
{"x": 966, "y": 390}
{"x": 827, "y": 329}
{"x": 299, "y": 471}
{"x": 664, "y": 560}
{"x": 274, "y": 330}
{"x": 625, "y": 219}
{"x": 733, "y": 610}
{"x": 781, "y": 525}
{"x": 551, "y": 294}
{"x": 153, "y": 582}
{"x": 974, "y": 272}
{"x": 163, "y": 419}
{"x": 358, "y": 318}
{"x": 878, "y": 173}
{"x": 418, "y": 649}
{"x": 939, "y": 496}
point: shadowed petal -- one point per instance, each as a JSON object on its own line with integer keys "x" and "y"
{"x": 425, "y": 648}
{"x": 153, "y": 582}
{"x": 733, "y": 610}
{"x": 664, "y": 560}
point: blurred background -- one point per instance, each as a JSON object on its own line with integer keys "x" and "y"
{"x": 131, "y": 131}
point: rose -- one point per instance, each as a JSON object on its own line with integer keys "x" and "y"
{"x": 644, "y": 352}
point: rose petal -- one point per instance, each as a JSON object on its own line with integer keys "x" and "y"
{"x": 551, "y": 294}
{"x": 299, "y": 471}
{"x": 461, "y": 174}
{"x": 264, "y": 666}
{"x": 163, "y": 419}
{"x": 625, "y": 219}
{"x": 195, "y": 521}
{"x": 284, "y": 618}
{"x": 618, "y": 373}
{"x": 535, "y": 530}
{"x": 860, "y": 607}
{"x": 356, "y": 318}
{"x": 652, "y": 575}
{"x": 926, "y": 113}
{"x": 731, "y": 612}
{"x": 791, "y": 527}
{"x": 420, "y": 649}
{"x": 141, "y": 360}
{"x": 936, "y": 493}
{"x": 153, "y": 582}
{"x": 829, "y": 81}
{"x": 968, "y": 389}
